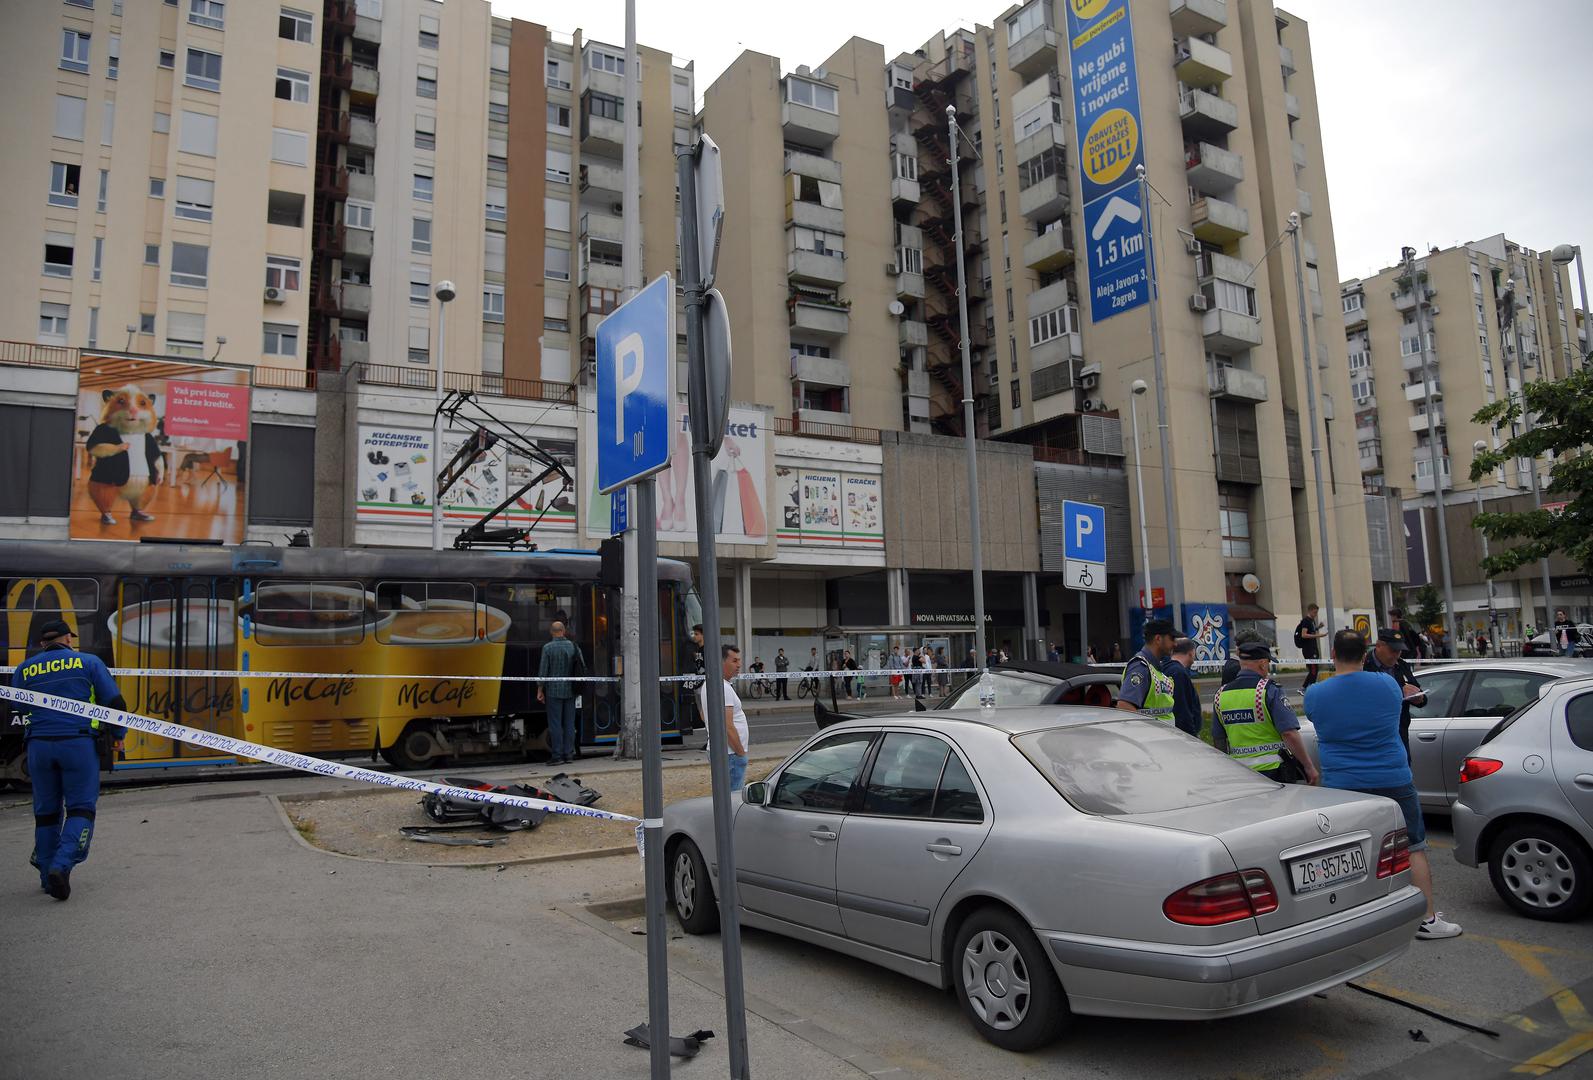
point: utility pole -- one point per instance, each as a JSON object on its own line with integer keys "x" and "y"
{"x": 1419, "y": 291}
{"x": 1175, "y": 568}
{"x": 968, "y": 433}
{"x": 445, "y": 293}
{"x": 1478, "y": 448}
{"x": 628, "y": 745}
{"x": 1512, "y": 307}
{"x": 1316, "y": 443}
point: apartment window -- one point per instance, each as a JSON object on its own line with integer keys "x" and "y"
{"x": 604, "y": 106}
{"x": 82, "y": 3}
{"x": 603, "y": 301}
{"x": 498, "y": 162}
{"x": 419, "y": 345}
{"x": 420, "y": 235}
{"x": 198, "y": 134}
{"x": 906, "y": 166}
{"x": 1003, "y": 200}
{"x": 281, "y": 339}
{"x": 598, "y": 60}
{"x": 558, "y": 75}
{"x": 556, "y": 263}
{"x": 429, "y": 29}
{"x": 425, "y": 132}
{"x": 358, "y": 214}
{"x": 146, "y": 322}
{"x": 1353, "y": 302}
{"x": 282, "y": 272}
{"x": 64, "y": 183}
{"x": 52, "y": 323}
{"x": 1361, "y": 390}
{"x": 1230, "y": 296}
{"x": 422, "y": 190}
{"x": 1053, "y": 324}
{"x": 99, "y": 256}
{"x": 909, "y": 260}
{"x": 113, "y": 62}
{"x": 203, "y": 71}
{"x": 1411, "y": 346}
{"x": 195, "y": 198}
{"x": 494, "y": 252}
{"x": 1031, "y": 18}
{"x": 190, "y": 265}
{"x": 58, "y": 252}
{"x": 74, "y": 51}
{"x": 185, "y": 333}
{"x": 426, "y": 82}
{"x": 680, "y": 91}
{"x": 70, "y": 113}
{"x": 94, "y": 327}
{"x": 1042, "y": 166}
{"x": 558, "y": 118}
{"x": 166, "y": 58}
{"x": 157, "y": 187}
{"x": 558, "y": 169}
{"x": 163, "y": 123}
{"x": 817, "y": 240}
{"x": 812, "y": 94}
{"x": 151, "y": 254}
{"x": 371, "y": 9}
{"x": 290, "y": 147}
{"x": 492, "y": 303}
{"x": 802, "y": 348}
{"x": 419, "y": 285}
{"x": 285, "y": 208}
{"x": 498, "y": 58}
{"x": 211, "y": 13}
{"x": 1360, "y": 360}
{"x": 1233, "y": 515}
{"x": 497, "y": 205}
{"x": 293, "y": 85}
{"x": 682, "y": 138}
{"x": 295, "y": 25}
{"x": 1017, "y": 394}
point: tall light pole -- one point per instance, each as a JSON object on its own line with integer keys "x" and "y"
{"x": 445, "y": 293}
{"x": 1419, "y": 291}
{"x": 968, "y": 433}
{"x": 1148, "y": 602}
{"x": 1175, "y": 567}
{"x": 629, "y": 744}
{"x": 1493, "y": 645}
{"x": 1562, "y": 255}
{"x": 1316, "y": 442}
{"x": 1514, "y": 306}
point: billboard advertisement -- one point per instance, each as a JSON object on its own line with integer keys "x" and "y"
{"x": 1106, "y": 117}
{"x": 159, "y": 450}
{"x": 827, "y": 508}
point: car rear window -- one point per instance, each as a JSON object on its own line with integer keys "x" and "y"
{"x": 1136, "y": 767}
{"x": 1012, "y": 688}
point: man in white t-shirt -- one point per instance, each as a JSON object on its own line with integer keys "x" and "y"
{"x": 735, "y": 716}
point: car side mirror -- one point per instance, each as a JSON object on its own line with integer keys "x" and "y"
{"x": 756, "y": 793}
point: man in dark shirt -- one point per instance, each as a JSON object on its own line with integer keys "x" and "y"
{"x": 1388, "y": 657}
{"x": 1305, "y": 638}
{"x": 1186, "y": 699}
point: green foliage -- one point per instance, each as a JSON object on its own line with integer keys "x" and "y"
{"x": 1564, "y": 427}
{"x": 1429, "y": 607}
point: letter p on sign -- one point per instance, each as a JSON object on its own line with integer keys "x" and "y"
{"x": 1082, "y": 527}
{"x": 628, "y": 357}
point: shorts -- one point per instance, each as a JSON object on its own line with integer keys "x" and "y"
{"x": 1410, "y": 806}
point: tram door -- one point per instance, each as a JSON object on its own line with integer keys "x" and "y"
{"x": 175, "y": 625}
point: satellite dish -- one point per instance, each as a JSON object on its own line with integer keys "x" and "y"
{"x": 897, "y": 307}
{"x": 1251, "y": 583}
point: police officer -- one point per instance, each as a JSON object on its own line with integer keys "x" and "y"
{"x": 63, "y": 757}
{"x": 1388, "y": 657}
{"x": 1146, "y": 688}
{"x": 1254, "y": 724}
{"x": 1186, "y": 699}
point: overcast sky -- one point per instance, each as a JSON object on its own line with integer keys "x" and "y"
{"x": 1444, "y": 120}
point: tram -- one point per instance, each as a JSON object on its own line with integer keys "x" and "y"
{"x": 279, "y": 629}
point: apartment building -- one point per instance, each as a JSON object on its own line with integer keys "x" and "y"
{"x": 1459, "y": 297}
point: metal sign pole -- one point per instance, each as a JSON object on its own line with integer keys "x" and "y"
{"x": 652, "y": 779}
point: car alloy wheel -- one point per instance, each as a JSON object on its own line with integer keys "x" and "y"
{"x": 1005, "y": 982}
{"x": 690, "y": 890}
{"x": 1538, "y": 873}
{"x": 1542, "y": 871}
{"x": 996, "y": 980}
{"x": 685, "y": 885}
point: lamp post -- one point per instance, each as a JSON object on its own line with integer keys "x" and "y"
{"x": 1493, "y": 646}
{"x": 445, "y": 293}
{"x": 1316, "y": 441}
{"x": 1148, "y": 598}
{"x": 1562, "y": 255}
{"x": 968, "y": 433}
{"x": 1419, "y": 292}
{"x": 1514, "y": 305}
{"x": 1175, "y": 566}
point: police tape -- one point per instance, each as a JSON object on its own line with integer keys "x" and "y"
{"x": 333, "y": 769}
{"x": 750, "y": 676}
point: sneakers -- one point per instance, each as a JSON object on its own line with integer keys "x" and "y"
{"x": 58, "y": 884}
{"x": 1436, "y": 927}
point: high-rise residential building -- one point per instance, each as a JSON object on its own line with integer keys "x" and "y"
{"x": 1473, "y": 357}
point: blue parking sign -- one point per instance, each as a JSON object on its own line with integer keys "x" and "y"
{"x": 1083, "y": 532}
{"x": 636, "y": 386}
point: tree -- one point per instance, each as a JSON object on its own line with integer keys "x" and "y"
{"x": 1429, "y": 607}
{"x": 1564, "y": 428}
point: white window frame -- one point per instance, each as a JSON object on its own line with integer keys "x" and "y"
{"x": 599, "y": 59}
{"x": 191, "y": 124}
{"x": 419, "y": 284}
{"x": 57, "y": 269}
{"x": 211, "y": 13}
{"x": 1354, "y": 302}
{"x": 280, "y": 270}
{"x": 283, "y": 142}
{"x": 54, "y": 322}
{"x": 796, "y": 89}
{"x": 70, "y": 119}
{"x": 359, "y": 214}
{"x": 1032, "y": 17}
{"x": 298, "y": 84}
{"x": 496, "y": 207}
{"x": 426, "y": 82}
{"x": 99, "y": 257}
{"x": 274, "y": 336}
{"x": 187, "y": 279}
{"x": 60, "y": 182}
{"x": 492, "y": 303}
{"x": 423, "y": 192}
{"x": 906, "y": 166}
{"x": 555, "y": 76}
{"x": 303, "y": 21}
{"x": 189, "y": 343}
{"x": 113, "y": 59}
{"x": 420, "y": 245}
{"x": 75, "y": 49}
{"x": 425, "y": 131}
{"x": 202, "y": 81}
{"x": 556, "y": 125}
{"x": 157, "y": 187}
{"x": 909, "y": 260}
{"x": 553, "y": 272}
{"x": 187, "y": 205}
{"x": 557, "y": 175}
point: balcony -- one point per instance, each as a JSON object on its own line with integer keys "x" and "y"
{"x": 1302, "y": 200}
{"x": 1218, "y": 222}
{"x": 1420, "y": 391}
{"x": 368, "y": 29}
{"x": 355, "y": 352}
{"x": 1424, "y": 472}
{"x": 362, "y": 132}
{"x": 819, "y": 168}
{"x": 820, "y": 269}
{"x": 1058, "y": 350}
{"x": 1035, "y": 53}
{"x": 366, "y": 81}
{"x": 354, "y": 299}
{"x": 1297, "y": 149}
{"x": 1037, "y": 142}
{"x": 1053, "y": 296}
{"x": 811, "y": 215}
{"x": 817, "y": 420}
{"x": 910, "y": 333}
{"x": 1370, "y": 457}
{"x": 1045, "y": 199}
{"x": 1286, "y": 59}
{"x": 1052, "y": 379}
{"x": 1291, "y": 105}
{"x": 1051, "y": 250}
{"x": 916, "y": 383}
{"x": 821, "y": 320}
{"x": 1411, "y": 357}
{"x": 910, "y": 286}
{"x": 358, "y": 243}
{"x": 1213, "y": 169}
{"x": 1206, "y": 114}
{"x": 1229, "y": 331}
{"x": 1418, "y": 423}
{"x": 807, "y": 125}
{"x": 1199, "y": 63}
{"x": 1237, "y": 384}
{"x": 1191, "y": 17}
{"x": 603, "y": 227}
{"x": 603, "y": 181}
{"x": 905, "y": 191}
{"x": 1405, "y": 299}
{"x": 604, "y": 82}
{"x": 362, "y": 186}
{"x": 600, "y": 135}
{"x": 1214, "y": 264}
{"x": 602, "y": 275}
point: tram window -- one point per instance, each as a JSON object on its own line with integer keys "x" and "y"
{"x": 53, "y": 594}
{"x": 310, "y": 613}
{"x": 428, "y": 613}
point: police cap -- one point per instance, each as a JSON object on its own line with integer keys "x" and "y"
{"x": 1255, "y": 650}
{"x": 53, "y": 629}
{"x": 1392, "y": 638}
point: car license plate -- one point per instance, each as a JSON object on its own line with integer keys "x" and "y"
{"x": 1328, "y": 869}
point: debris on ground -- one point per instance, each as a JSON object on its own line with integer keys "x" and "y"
{"x": 681, "y": 1046}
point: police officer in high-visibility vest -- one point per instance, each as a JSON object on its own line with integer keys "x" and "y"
{"x": 63, "y": 755}
{"x": 1146, "y": 688}
{"x": 1255, "y": 725}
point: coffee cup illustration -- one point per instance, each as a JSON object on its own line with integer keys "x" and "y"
{"x": 191, "y": 633}
{"x": 433, "y": 643}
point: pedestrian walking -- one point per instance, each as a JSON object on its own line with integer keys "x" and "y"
{"x": 1306, "y": 636}
{"x": 1565, "y": 635}
{"x": 64, "y": 753}
{"x": 1117, "y": 652}
{"x": 1414, "y": 646}
{"x": 1387, "y": 658}
{"x": 1357, "y": 714}
{"x": 1054, "y": 654}
{"x": 1186, "y": 699}
{"x": 561, "y": 658}
{"x": 1146, "y": 688}
{"x": 853, "y": 683}
{"x": 782, "y": 685}
{"x": 896, "y": 665}
{"x": 943, "y": 676}
{"x": 1253, "y": 724}
{"x": 736, "y": 734}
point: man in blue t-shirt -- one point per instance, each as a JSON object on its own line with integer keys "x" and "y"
{"x": 1356, "y": 714}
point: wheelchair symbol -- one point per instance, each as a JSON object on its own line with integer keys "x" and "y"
{"x": 1084, "y": 577}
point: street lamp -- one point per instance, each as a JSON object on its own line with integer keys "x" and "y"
{"x": 1562, "y": 255}
{"x": 445, "y": 293}
{"x": 1515, "y": 305}
{"x": 1493, "y": 646}
{"x": 1149, "y": 603}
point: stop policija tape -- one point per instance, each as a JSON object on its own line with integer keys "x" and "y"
{"x": 336, "y": 770}
{"x": 229, "y": 673}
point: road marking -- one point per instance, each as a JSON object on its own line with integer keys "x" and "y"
{"x": 1426, "y": 1001}
{"x": 1553, "y": 1058}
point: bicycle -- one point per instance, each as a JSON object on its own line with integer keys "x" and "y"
{"x": 808, "y": 686}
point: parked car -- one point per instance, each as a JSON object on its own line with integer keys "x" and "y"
{"x": 1526, "y": 804}
{"x": 1019, "y": 682}
{"x": 1050, "y": 861}
{"x": 1544, "y": 644}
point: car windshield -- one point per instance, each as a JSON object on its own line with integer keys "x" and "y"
{"x": 1136, "y": 767}
{"x": 1499, "y": 728}
{"x": 1012, "y": 688}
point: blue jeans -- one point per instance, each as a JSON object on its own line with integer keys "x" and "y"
{"x": 1410, "y": 807}
{"x": 561, "y": 727}
{"x": 66, "y": 773}
{"x": 738, "y": 771}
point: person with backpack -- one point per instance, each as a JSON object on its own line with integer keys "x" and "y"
{"x": 1306, "y": 636}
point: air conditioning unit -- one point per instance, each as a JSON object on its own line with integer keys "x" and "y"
{"x": 1090, "y": 381}
{"x": 1090, "y": 404}
{"x": 1191, "y": 245}
{"x": 273, "y": 295}
{"x": 892, "y": 269}
{"x": 1198, "y": 303}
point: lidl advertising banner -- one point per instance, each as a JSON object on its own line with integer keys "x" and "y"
{"x": 1107, "y": 120}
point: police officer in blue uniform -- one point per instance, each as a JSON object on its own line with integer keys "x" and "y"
{"x": 63, "y": 754}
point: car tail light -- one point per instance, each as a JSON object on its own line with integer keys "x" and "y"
{"x": 1223, "y": 899}
{"x": 1475, "y": 768}
{"x": 1394, "y": 858}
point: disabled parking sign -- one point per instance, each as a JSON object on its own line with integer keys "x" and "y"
{"x": 1084, "y": 546}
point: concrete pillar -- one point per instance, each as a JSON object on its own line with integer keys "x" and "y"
{"x": 743, "y": 572}
{"x": 337, "y": 437}
{"x": 898, "y": 600}
{"x": 1033, "y": 645}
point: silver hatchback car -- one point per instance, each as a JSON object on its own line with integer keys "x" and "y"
{"x": 1526, "y": 804}
{"x": 1052, "y": 860}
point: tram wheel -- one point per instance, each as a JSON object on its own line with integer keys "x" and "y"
{"x": 415, "y": 749}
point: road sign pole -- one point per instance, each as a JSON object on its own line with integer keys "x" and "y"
{"x": 1084, "y": 627}
{"x": 698, "y": 404}
{"x": 646, "y": 530}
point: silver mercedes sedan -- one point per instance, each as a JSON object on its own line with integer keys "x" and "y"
{"x": 1053, "y": 860}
